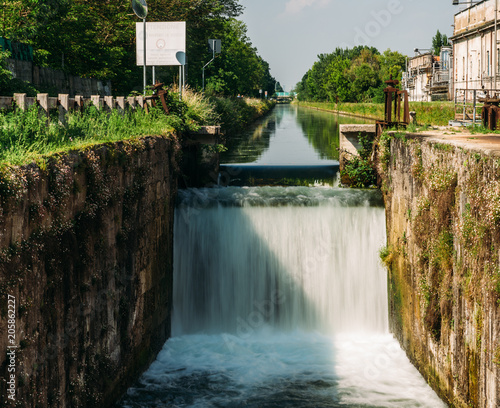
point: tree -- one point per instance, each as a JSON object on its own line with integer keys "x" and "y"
{"x": 96, "y": 38}
{"x": 338, "y": 85}
{"x": 438, "y": 41}
{"x": 392, "y": 64}
{"x": 364, "y": 75}
{"x": 239, "y": 69}
{"x": 351, "y": 75}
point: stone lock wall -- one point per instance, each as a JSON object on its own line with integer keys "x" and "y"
{"x": 86, "y": 252}
{"x": 443, "y": 255}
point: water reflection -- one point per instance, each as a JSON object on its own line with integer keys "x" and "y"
{"x": 289, "y": 135}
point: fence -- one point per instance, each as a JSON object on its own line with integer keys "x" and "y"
{"x": 53, "y": 79}
{"x": 466, "y": 105}
{"x": 18, "y": 51}
{"x": 64, "y": 104}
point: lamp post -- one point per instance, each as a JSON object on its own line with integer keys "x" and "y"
{"x": 140, "y": 8}
{"x": 215, "y": 45}
{"x": 470, "y": 3}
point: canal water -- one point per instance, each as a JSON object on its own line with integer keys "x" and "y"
{"x": 279, "y": 296}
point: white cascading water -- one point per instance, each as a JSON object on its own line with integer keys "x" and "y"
{"x": 280, "y": 301}
{"x": 311, "y": 267}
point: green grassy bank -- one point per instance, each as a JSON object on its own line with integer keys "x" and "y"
{"x": 27, "y": 136}
{"x": 428, "y": 113}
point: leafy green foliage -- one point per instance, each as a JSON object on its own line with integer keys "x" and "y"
{"x": 351, "y": 75}
{"x": 8, "y": 84}
{"x": 438, "y": 41}
{"x": 359, "y": 170}
{"x": 95, "y": 38}
{"x": 29, "y": 136}
{"x": 238, "y": 68}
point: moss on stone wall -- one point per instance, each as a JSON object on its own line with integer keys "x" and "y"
{"x": 443, "y": 217}
{"x": 86, "y": 249}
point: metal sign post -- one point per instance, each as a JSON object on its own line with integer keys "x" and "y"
{"x": 181, "y": 58}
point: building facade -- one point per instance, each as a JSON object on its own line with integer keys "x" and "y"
{"x": 427, "y": 77}
{"x": 476, "y": 52}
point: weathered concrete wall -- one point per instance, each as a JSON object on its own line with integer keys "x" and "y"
{"x": 443, "y": 221}
{"x": 86, "y": 252}
{"x": 349, "y": 139}
{"x": 58, "y": 80}
{"x": 350, "y": 146}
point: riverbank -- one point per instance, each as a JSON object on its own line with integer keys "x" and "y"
{"x": 86, "y": 261}
{"x": 27, "y": 135}
{"x": 86, "y": 258}
{"x": 442, "y": 194}
{"x": 428, "y": 113}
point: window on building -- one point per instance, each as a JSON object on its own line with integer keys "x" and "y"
{"x": 498, "y": 61}
{"x": 488, "y": 62}
{"x": 463, "y": 69}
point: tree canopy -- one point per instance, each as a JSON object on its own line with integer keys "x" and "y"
{"x": 438, "y": 41}
{"x": 96, "y": 38}
{"x": 351, "y": 75}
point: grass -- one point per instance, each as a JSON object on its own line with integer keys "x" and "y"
{"x": 428, "y": 113}
{"x": 27, "y": 136}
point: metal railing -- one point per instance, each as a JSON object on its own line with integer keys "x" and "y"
{"x": 466, "y": 105}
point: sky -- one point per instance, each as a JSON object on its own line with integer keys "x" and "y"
{"x": 290, "y": 34}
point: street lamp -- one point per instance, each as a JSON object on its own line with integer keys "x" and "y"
{"x": 456, "y": 2}
{"x": 140, "y": 8}
{"x": 216, "y": 47}
{"x": 417, "y": 50}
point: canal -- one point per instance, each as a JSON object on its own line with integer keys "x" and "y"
{"x": 280, "y": 299}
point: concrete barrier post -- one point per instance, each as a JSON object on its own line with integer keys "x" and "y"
{"x": 120, "y": 102}
{"x": 20, "y": 100}
{"x": 96, "y": 101}
{"x": 63, "y": 107}
{"x": 43, "y": 102}
{"x": 140, "y": 101}
{"x": 109, "y": 103}
{"x": 131, "y": 102}
{"x": 79, "y": 102}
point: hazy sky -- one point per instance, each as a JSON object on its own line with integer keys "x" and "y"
{"x": 289, "y": 34}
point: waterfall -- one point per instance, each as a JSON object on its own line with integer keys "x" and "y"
{"x": 279, "y": 298}
{"x": 243, "y": 262}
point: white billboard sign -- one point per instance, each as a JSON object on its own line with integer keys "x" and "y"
{"x": 165, "y": 43}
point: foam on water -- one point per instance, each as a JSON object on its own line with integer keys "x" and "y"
{"x": 276, "y": 369}
{"x": 280, "y": 301}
